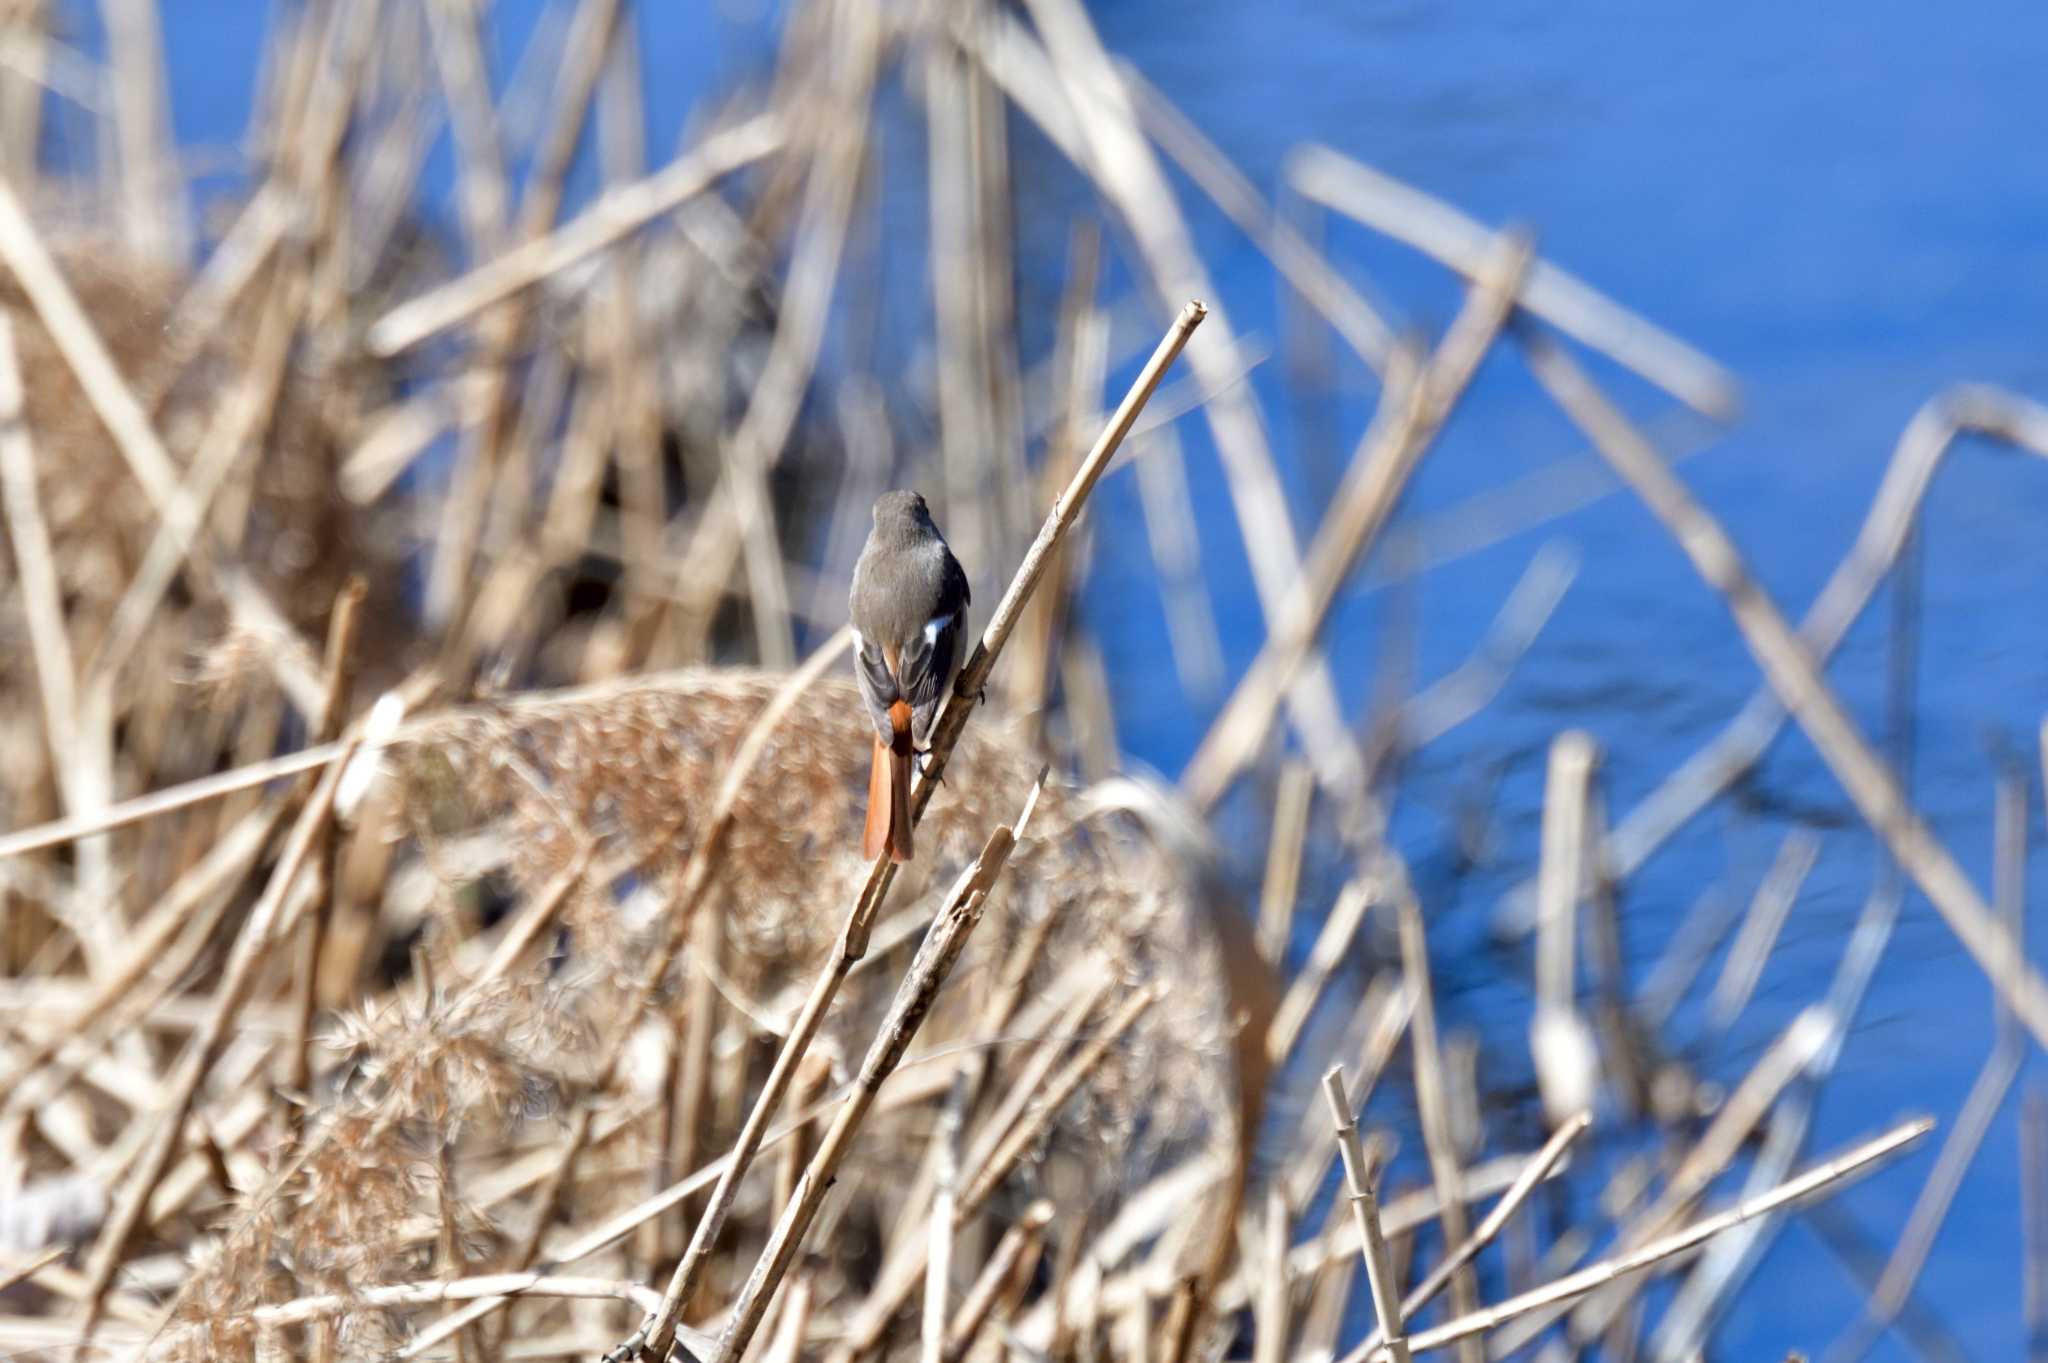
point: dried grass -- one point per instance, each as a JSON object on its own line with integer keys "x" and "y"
{"x": 438, "y": 1042}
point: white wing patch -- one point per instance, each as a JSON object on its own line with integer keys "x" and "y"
{"x": 933, "y": 627}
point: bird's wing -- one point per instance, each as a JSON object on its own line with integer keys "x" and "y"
{"x": 878, "y": 688}
{"x": 927, "y": 666}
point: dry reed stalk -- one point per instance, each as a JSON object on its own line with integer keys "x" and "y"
{"x": 1250, "y": 1001}
{"x": 262, "y": 226}
{"x": 1432, "y": 539}
{"x": 1378, "y": 727}
{"x": 27, "y": 1268}
{"x": 164, "y": 948}
{"x": 1003, "y": 1157}
{"x": 23, "y": 251}
{"x": 1791, "y": 670}
{"x": 1006, "y": 1136}
{"x": 1270, "y": 1307}
{"x": 268, "y": 923}
{"x": 1861, "y": 1259}
{"x": 975, "y": 1070}
{"x": 1000, "y": 1278}
{"x": 1401, "y": 1216}
{"x": 862, "y": 419}
{"x": 233, "y": 435}
{"x": 1091, "y": 721}
{"x": 1069, "y": 86}
{"x": 635, "y": 384}
{"x": 1980, "y": 1107}
{"x": 912, "y": 1222}
{"x": 182, "y": 912}
{"x": 1713, "y": 915}
{"x": 1768, "y": 910}
{"x": 938, "y": 1270}
{"x": 1380, "y": 1022}
{"x": 481, "y": 191}
{"x": 1464, "y": 691}
{"x": 791, "y": 1323}
{"x": 695, "y": 1063}
{"x": 996, "y": 302}
{"x": 1066, "y": 1323}
{"x": 616, "y": 215}
{"x": 1632, "y": 1057}
{"x": 1540, "y": 1167}
{"x": 1170, "y": 531}
{"x": 993, "y": 300}
{"x": 1185, "y": 1316}
{"x": 458, "y": 1289}
{"x": 1282, "y": 881}
{"x": 618, "y": 1226}
{"x": 1401, "y": 433}
{"x": 682, "y": 912}
{"x": 954, "y": 166}
{"x": 488, "y": 476}
{"x": 311, "y": 158}
{"x": 2034, "y": 1221}
{"x": 738, "y": 520}
{"x": 23, "y": 79}
{"x": 914, "y": 998}
{"x": 153, "y": 211}
{"x": 592, "y": 426}
{"x": 580, "y": 63}
{"x": 1065, "y": 1018}
{"x": 1359, "y": 1178}
{"x": 36, "y": 565}
{"x": 1434, "y": 227}
{"x": 1332, "y": 947}
{"x": 1731, "y": 1258}
{"x": 394, "y": 438}
{"x": 1430, "y": 1098}
{"x": 143, "y": 808}
{"x": 1313, "y": 279}
{"x": 1891, "y": 1292}
{"x": 342, "y": 627}
{"x": 1561, "y": 1042}
{"x": 2043, "y": 744}
{"x": 804, "y": 1094}
{"x": 1733, "y": 1125}
{"x": 1079, "y": 365}
{"x": 1330, "y": 1289}
{"x": 1842, "y": 1167}
{"x": 17, "y": 1332}
{"x": 1922, "y": 447}
{"x": 945, "y": 733}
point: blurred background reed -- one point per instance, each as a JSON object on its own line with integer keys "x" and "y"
{"x": 433, "y": 431}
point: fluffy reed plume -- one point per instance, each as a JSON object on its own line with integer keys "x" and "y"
{"x": 627, "y": 763}
{"x": 297, "y": 538}
{"x": 468, "y": 1080}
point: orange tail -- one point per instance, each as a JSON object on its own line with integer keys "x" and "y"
{"x": 888, "y": 824}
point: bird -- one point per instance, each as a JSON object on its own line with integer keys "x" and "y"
{"x": 908, "y": 607}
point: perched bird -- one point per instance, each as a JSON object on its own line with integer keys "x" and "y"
{"x": 909, "y": 611}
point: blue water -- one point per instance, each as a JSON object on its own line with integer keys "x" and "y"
{"x": 1848, "y": 206}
